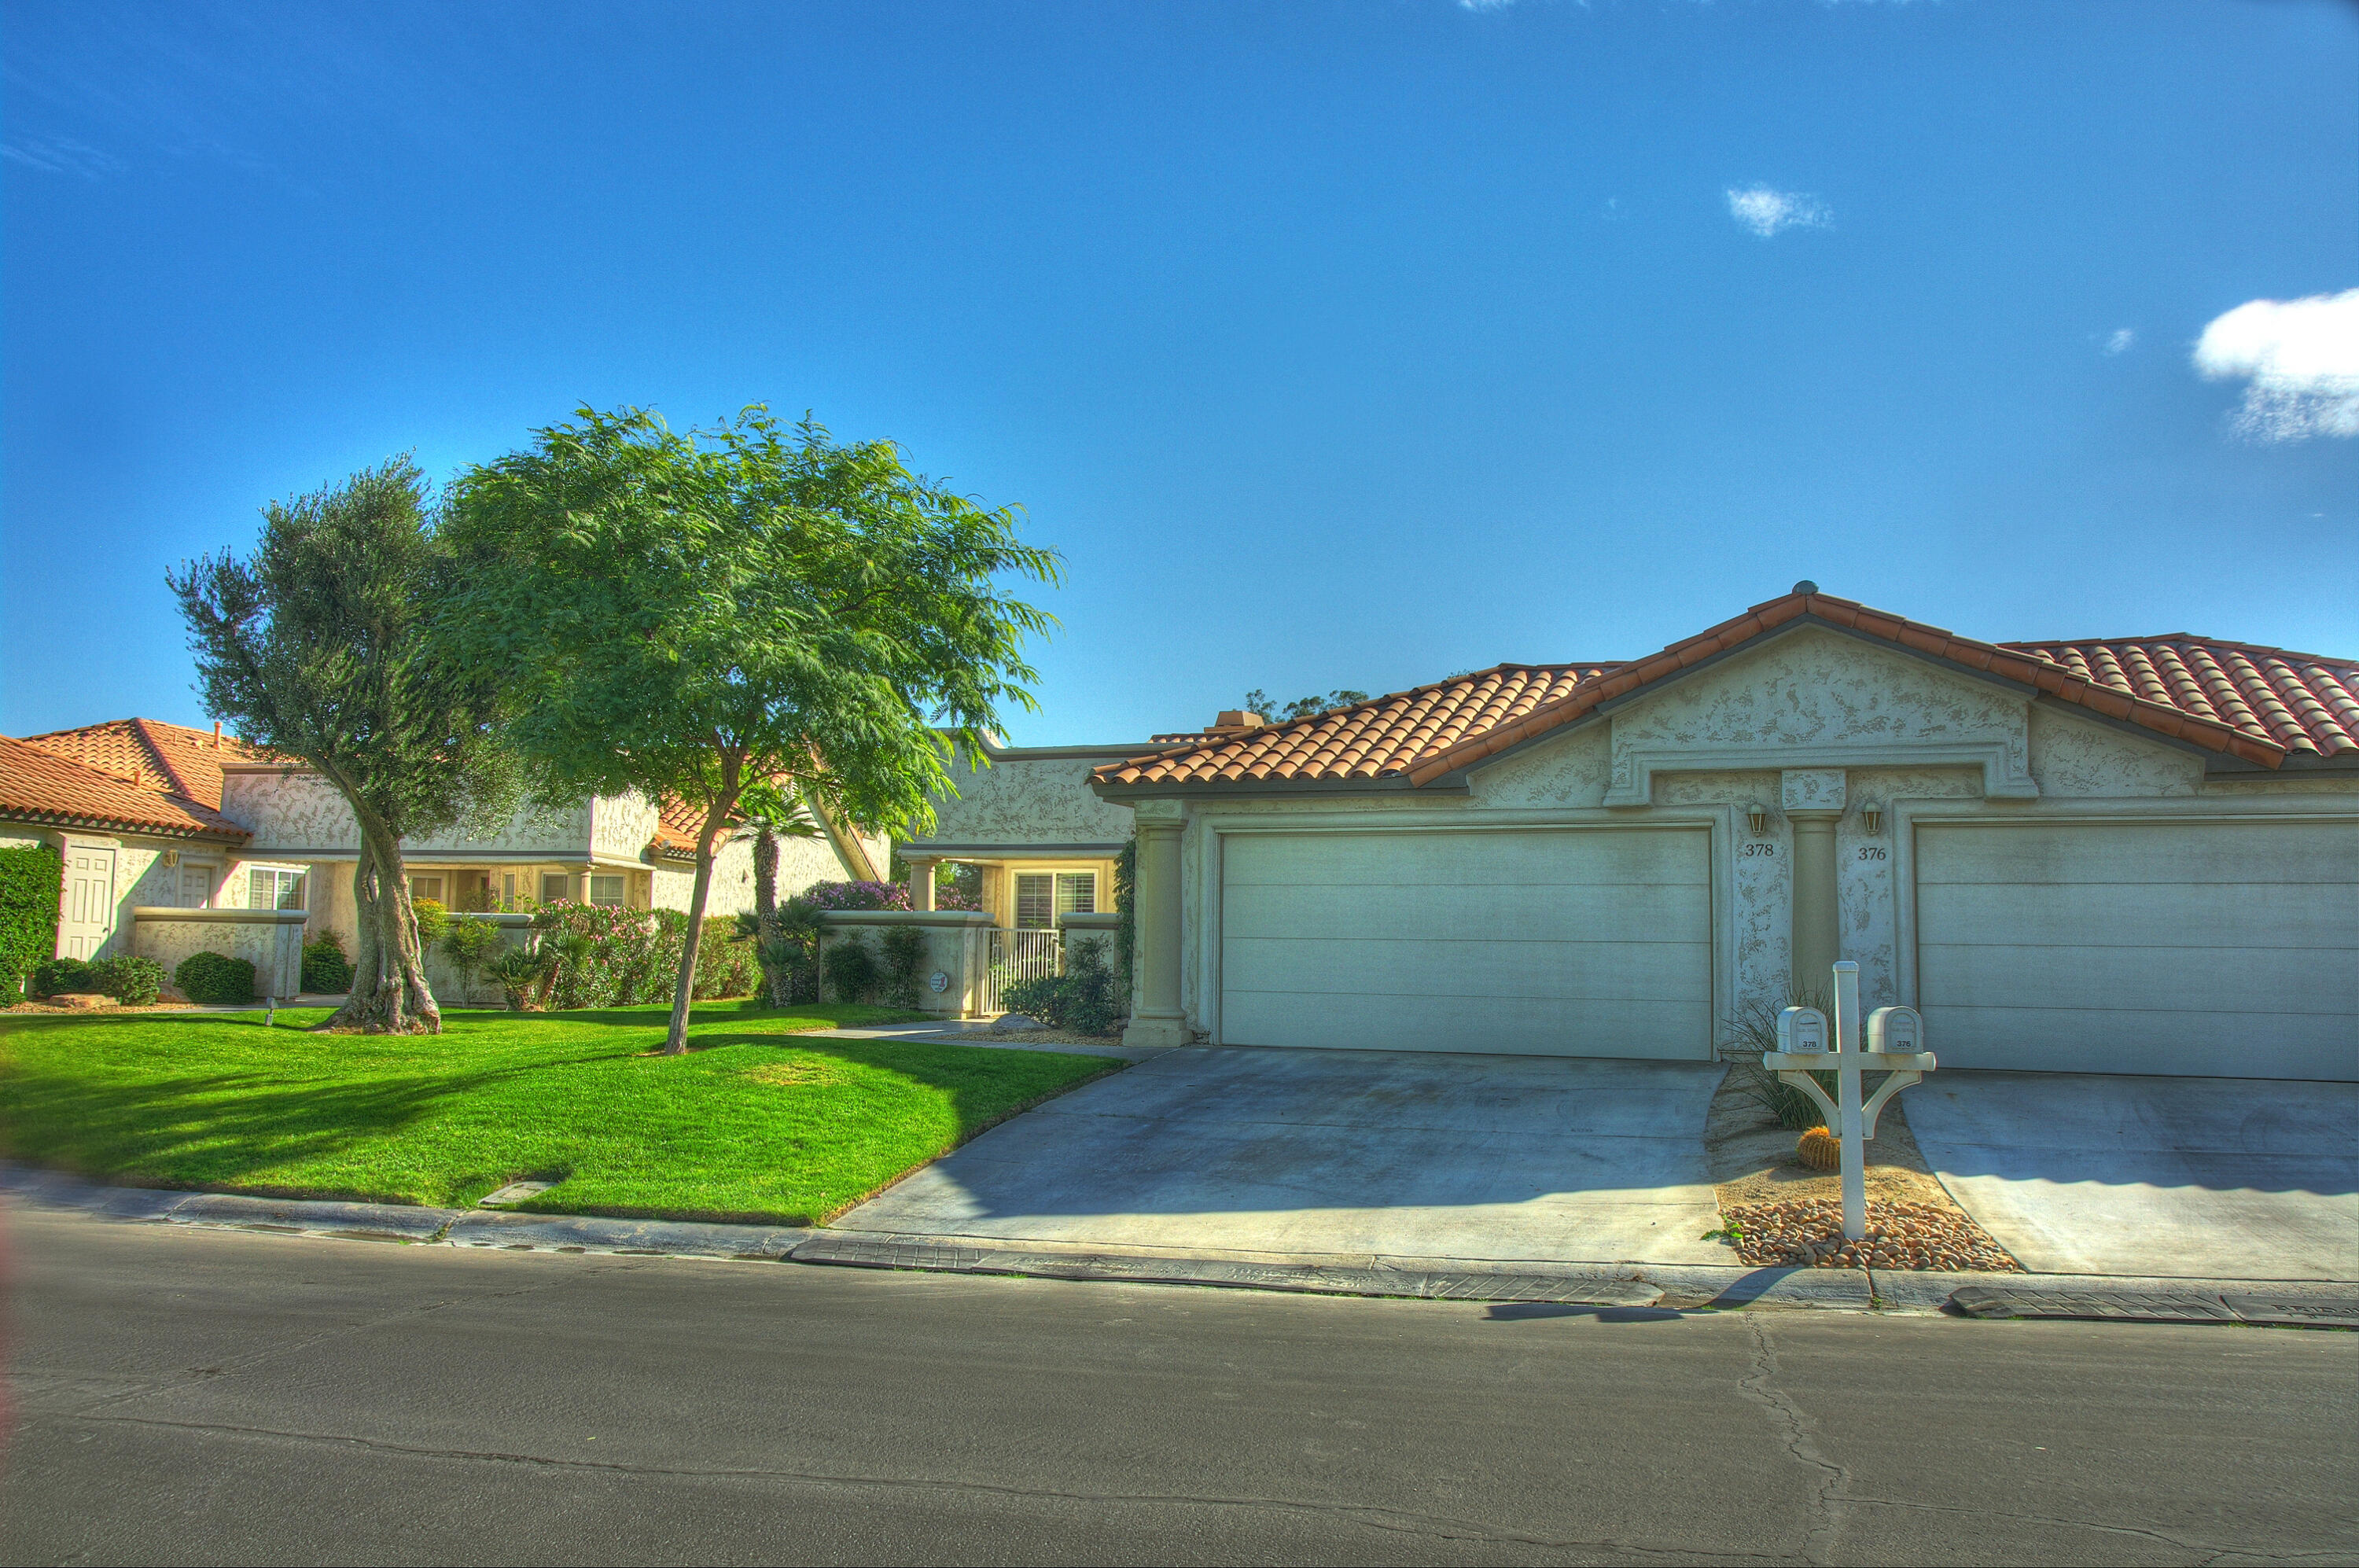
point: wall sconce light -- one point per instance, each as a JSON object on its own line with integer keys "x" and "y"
{"x": 1757, "y": 818}
{"x": 172, "y": 857}
{"x": 1871, "y": 816}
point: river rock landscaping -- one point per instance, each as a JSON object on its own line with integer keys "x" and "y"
{"x": 1807, "y": 1232}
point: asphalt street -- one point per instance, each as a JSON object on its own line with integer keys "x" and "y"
{"x": 182, "y": 1395}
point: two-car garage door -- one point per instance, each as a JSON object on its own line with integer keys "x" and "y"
{"x": 1564, "y": 942}
{"x": 2222, "y": 949}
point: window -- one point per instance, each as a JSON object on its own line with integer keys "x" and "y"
{"x": 606, "y": 890}
{"x": 507, "y": 890}
{"x": 426, "y": 887}
{"x": 274, "y": 889}
{"x": 554, "y": 886}
{"x": 1042, "y": 896}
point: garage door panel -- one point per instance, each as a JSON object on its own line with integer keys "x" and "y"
{"x": 2100, "y": 917}
{"x": 2266, "y": 982}
{"x": 2186, "y": 947}
{"x": 1444, "y": 912}
{"x": 2139, "y": 853}
{"x": 1570, "y": 858}
{"x": 1591, "y": 943}
{"x": 2200, "y": 1044}
{"x": 1517, "y": 1026}
{"x": 1470, "y": 970}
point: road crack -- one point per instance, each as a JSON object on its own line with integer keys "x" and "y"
{"x": 1797, "y": 1433}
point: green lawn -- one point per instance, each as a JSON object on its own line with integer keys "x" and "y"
{"x": 754, "y": 1123}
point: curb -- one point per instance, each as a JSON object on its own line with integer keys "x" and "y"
{"x": 1662, "y": 1288}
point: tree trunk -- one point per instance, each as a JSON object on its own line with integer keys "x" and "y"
{"x": 766, "y": 909}
{"x": 390, "y": 991}
{"x": 683, "y": 994}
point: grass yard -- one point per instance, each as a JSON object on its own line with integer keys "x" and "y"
{"x": 754, "y": 1123}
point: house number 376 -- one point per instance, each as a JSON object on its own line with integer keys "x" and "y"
{"x": 1871, "y": 852}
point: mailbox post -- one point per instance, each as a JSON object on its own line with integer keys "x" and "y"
{"x": 1895, "y": 1044}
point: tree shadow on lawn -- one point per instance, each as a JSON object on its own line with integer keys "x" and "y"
{"x": 220, "y": 1127}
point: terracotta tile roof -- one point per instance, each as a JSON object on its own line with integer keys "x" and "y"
{"x": 2260, "y": 704}
{"x": 2307, "y": 703}
{"x": 172, "y": 757}
{"x": 38, "y": 785}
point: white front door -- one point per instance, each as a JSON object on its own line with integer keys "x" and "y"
{"x": 2223, "y": 949}
{"x": 86, "y": 918}
{"x": 196, "y": 886}
{"x": 1571, "y": 943}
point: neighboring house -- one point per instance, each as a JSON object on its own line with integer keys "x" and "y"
{"x": 135, "y": 809}
{"x": 154, "y": 816}
{"x": 1045, "y": 846}
{"x": 2126, "y": 854}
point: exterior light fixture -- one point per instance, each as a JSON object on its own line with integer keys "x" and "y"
{"x": 1871, "y": 816}
{"x": 1757, "y": 818}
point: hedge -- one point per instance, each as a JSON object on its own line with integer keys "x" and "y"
{"x": 214, "y": 977}
{"x": 32, "y": 878}
{"x": 634, "y": 955}
{"x": 130, "y": 979}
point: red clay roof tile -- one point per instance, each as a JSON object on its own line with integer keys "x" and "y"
{"x": 38, "y": 784}
{"x": 2260, "y": 703}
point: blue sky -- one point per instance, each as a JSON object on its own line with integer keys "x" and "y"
{"x": 1334, "y": 344}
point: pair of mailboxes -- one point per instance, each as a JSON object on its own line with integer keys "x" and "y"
{"x": 1897, "y": 1030}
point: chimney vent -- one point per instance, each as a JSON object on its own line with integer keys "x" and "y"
{"x": 1235, "y": 720}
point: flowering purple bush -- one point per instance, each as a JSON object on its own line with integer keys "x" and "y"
{"x": 856, "y": 896}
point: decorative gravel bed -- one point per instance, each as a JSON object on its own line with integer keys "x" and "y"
{"x": 1809, "y": 1232}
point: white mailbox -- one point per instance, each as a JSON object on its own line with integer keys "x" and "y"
{"x": 1896, "y": 1029}
{"x": 1802, "y": 1030}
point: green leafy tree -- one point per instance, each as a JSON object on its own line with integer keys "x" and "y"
{"x": 692, "y": 614}
{"x": 1260, "y": 701}
{"x": 316, "y": 648}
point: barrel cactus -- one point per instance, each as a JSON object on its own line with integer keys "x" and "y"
{"x": 1819, "y": 1149}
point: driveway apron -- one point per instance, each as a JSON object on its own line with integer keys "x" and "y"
{"x": 1405, "y": 1154}
{"x": 2077, "y": 1173}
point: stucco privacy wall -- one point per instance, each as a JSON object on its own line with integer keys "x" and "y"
{"x": 297, "y": 815}
{"x": 1028, "y": 797}
{"x": 270, "y": 941}
{"x": 1889, "y": 730}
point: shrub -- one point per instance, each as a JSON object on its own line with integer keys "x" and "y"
{"x": 471, "y": 944}
{"x": 520, "y": 971}
{"x": 856, "y": 896}
{"x": 326, "y": 970}
{"x": 214, "y": 977}
{"x": 1752, "y": 1032}
{"x": 31, "y": 880}
{"x": 131, "y": 980}
{"x": 632, "y": 955}
{"x": 58, "y": 976}
{"x": 433, "y": 919}
{"x": 852, "y": 971}
{"x": 1125, "y": 936}
{"x": 904, "y": 964}
{"x": 1086, "y": 998}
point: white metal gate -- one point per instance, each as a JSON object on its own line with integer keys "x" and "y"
{"x": 1020, "y": 955}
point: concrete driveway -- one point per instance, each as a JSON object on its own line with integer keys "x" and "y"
{"x": 2083, "y": 1174}
{"x": 1329, "y": 1152}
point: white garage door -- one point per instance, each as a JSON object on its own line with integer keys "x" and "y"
{"x": 1577, "y": 943}
{"x": 2226, "y": 950}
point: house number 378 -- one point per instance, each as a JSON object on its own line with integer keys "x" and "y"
{"x": 1755, "y": 851}
{"x": 1871, "y": 852}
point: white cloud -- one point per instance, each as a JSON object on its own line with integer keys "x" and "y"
{"x": 2301, "y": 358}
{"x": 1484, "y": 4}
{"x": 2121, "y": 341}
{"x": 61, "y": 156}
{"x": 1764, "y": 211}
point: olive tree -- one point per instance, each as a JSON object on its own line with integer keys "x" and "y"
{"x": 316, "y": 647}
{"x": 692, "y": 614}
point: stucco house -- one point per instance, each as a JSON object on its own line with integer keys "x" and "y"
{"x": 1045, "y": 844}
{"x": 176, "y": 838}
{"x": 2136, "y": 855}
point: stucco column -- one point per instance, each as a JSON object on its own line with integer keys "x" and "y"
{"x": 1155, "y": 1017}
{"x": 922, "y": 885}
{"x": 1813, "y": 801}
